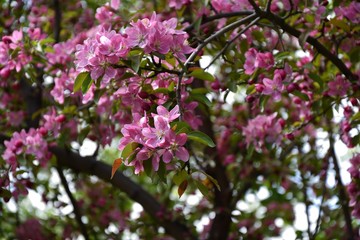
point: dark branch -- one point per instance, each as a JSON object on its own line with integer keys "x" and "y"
{"x": 343, "y": 198}
{"x": 73, "y": 202}
{"x": 312, "y": 41}
{"x": 57, "y": 23}
{"x": 90, "y": 165}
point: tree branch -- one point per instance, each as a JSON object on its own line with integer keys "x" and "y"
{"x": 73, "y": 202}
{"x": 102, "y": 170}
{"x": 312, "y": 41}
{"x": 57, "y": 22}
{"x": 343, "y": 199}
{"x": 217, "y": 34}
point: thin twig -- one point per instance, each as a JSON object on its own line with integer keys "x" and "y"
{"x": 317, "y": 227}
{"x": 217, "y": 34}
{"x": 343, "y": 199}
{"x": 73, "y": 202}
{"x": 231, "y": 41}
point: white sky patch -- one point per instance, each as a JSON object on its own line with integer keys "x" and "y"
{"x": 136, "y": 210}
{"x": 88, "y": 148}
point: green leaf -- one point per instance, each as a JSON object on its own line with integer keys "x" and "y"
{"x": 180, "y": 127}
{"x": 201, "y": 137}
{"x": 128, "y": 150}
{"x": 86, "y": 85}
{"x": 356, "y": 116}
{"x": 202, "y": 188}
{"x": 135, "y": 62}
{"x": 301, "y": 95}
{"x": 162, "y": 171}
{"x": 213, "y": 180}
{"x": 80, "y": 80}
{"x": 201, "y": 98}
{"x": 340, "y": 23}
{"x": 201, "y": 74}
{"x": 4, "y": 193}
{"x": 148, "y": 168}
{"x": 179, "y": 177}
{"x": 282, "y": 55}
{"x": 317, "y": 79}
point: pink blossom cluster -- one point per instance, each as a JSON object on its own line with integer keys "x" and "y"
{"x": 31, "y": 142}
{"x": 255, "y": 59}
{"x": 154, "y": 35}
{"x": 100, "y": 54}
{"x": 154, "y": 142}
{"x": 31, "y": 229}
{"x": 230, "y": 5}
{"x": 351, "y": 12}
{"x": 345, "y": 127}
{"x": 106, "y": 14}
{"x": 338, "y": 87}
{"x": 7, "y": 46}
{"x": 354, "y": 186}
{"x": 178, "y": 4}
{"x": 263, "y": 130}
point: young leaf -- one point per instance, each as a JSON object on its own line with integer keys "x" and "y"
{"x": 80, "y": 80}
{"x": 117, "y": 163}
{"x": 86, "y": 85}
{"x": 128, "y": 150}
{"x": 201, "y": 137}
{"x": 182, "y": 188}
{"x": 180, "y": 177}
{"x": 201, "y": 74}
{"x": 202, "y": 188}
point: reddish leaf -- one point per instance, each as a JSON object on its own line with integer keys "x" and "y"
{"x": 182, "y": 188}
{"x": 115, "y": 166}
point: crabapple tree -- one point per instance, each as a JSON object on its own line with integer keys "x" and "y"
{"x": 179, "y": 119}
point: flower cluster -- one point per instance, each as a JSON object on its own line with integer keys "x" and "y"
{"x": 338, "y": 87}
{"x": 155, "y": 142}
{"x": 255, "y": 59}
{"x": 351, "y": 12}
{"x": 177, "y": 4}
{"x": 354, "y": 186}
{"x": 231, "y": 6}
{"x": 31, "y": 142}
{"x": 263, "y": 130}
{"x": 98, "y": 55}
{"x": 7, "y": 46}
{"x": 154, "y": 35}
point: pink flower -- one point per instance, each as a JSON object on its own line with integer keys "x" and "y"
{"x": 351, "y": 12}
{"x": 250, "y": 57}
{"x": 155, "y": 137}
{"x": 170, "y": 116}
{"x": 338, "y": 87}
{"x": 115, "y": 4}
{"x": 263, "y": 129}
{"x": 175, "y": 147}
{"x": 177, "y": 4}
{"x": 264, "y": 60}
{"x": 255, "y": 60}
{"x": 273, "y": 87}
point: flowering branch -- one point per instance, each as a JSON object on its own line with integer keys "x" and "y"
{"x": 102, "y": 170}
{"x": 312, "y": 41}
